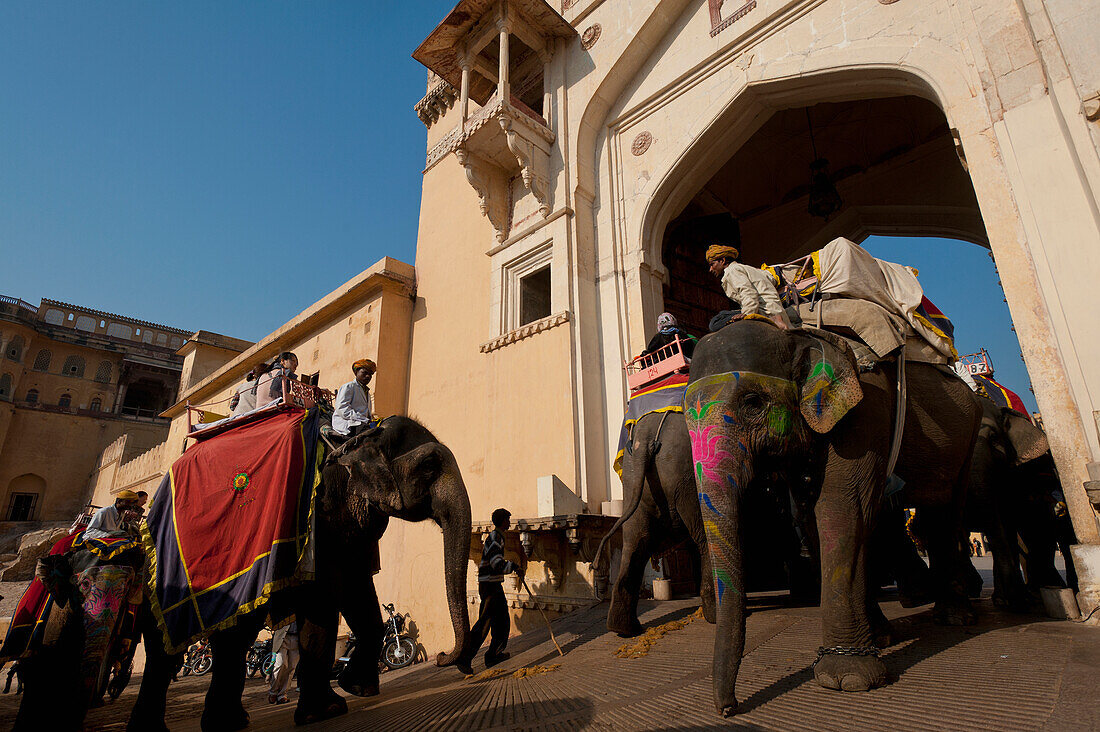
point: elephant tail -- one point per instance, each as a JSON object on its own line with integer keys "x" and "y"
{"x": 634, "y": 471}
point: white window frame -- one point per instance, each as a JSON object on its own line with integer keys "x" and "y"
{"x": 515, "y": 270}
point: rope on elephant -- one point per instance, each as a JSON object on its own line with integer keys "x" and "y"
{"x": 641, "y": 645}
{"x": 519, "y": 673}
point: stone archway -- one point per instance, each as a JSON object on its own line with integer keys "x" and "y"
{"x": 702, "y": 178}
{"x": 892, "y": 160}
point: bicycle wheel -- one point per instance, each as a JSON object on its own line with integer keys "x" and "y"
{"x": 268, "y": 665}
{"x": 399, "y": 653}
{"x": 202, "y": 664}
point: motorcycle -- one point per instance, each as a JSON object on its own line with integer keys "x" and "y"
{"x": 259, "y": 660}
{"x": 398, "y": 649}
{"x": 198, "y": 658}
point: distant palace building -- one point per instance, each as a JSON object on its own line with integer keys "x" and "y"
{"x": 72, "y": 381}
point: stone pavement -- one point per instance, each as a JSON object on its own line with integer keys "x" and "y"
{"x": 1007, "y": 673}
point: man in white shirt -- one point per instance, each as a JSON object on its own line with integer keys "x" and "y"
{"x": 353, "y": 411}
{"x": 749, "y": 287}
{"x": 108, "y": 520}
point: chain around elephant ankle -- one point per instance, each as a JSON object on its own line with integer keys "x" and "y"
{"x": 845, "y": 651}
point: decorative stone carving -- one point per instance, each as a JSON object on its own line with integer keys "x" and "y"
{"x": 498, "y": 142}
{"x": 566, "y": 4}
{"x": 436, "y": 102}
{"x": 525, "y": 332}
{"x": 591, "y": 35}
{"x": 641, "y": 143}
{"x": 492, "y": 192}
{"x": 718, "y": 23}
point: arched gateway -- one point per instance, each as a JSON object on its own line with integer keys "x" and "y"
{"x": 657, "y": 114}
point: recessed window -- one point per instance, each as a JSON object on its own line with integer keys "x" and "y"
{"x": 21, "y": 507}
{"x": 32, "y": 396}
{"x": 66, "y": 400}
{"x": 96, "y": 405}
{"x": 5, "y": 386}
{"x": 15, "y": 348}
{"x": 534, "y": 296}
{"x": 527, "y": 288}
{"x": 74, "y": 366}
{"x": 103, "y": 372}
{"x": 42, "y": 360}
{"x": 85, "y": 323}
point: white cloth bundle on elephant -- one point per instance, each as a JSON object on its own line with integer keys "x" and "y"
{"x": 845, "y": 269}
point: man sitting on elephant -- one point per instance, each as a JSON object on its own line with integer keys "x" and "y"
{"x": 752, "y": 289}
{"x": 108, "y": 521}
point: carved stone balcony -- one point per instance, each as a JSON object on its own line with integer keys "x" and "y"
{"x": 498, "y": 53}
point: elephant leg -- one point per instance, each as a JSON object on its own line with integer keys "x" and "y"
{"x": 160, "y": 667}
{"x": 360, "y": 675}
{"x": 945, "y": 559}
{"x": 50, "y": 676}
{"x": 622, "y": 616}
{"x": 317, "y": 621}
{"x": 844, "y": 531}
{"x": 224, "y": 709}
{"x": 688, "y": 508}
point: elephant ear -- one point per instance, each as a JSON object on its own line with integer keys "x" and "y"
{"x": 826, "y": 375}
{"x": 370, "y": 477}
{"x": 418, "y": 469}
{"x": 1028, "y": 441}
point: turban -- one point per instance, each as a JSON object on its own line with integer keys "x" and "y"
{"x": 718, "y": 251}
{"x": 127, "y": 496}
{"x": 364, "y": 363}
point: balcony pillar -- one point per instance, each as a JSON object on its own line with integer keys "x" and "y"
{"x": 464, "y": 100}
{"x": 502, "y": 70}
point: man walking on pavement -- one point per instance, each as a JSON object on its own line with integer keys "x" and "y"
{"x": 493, "y": 617}
{"x": 284, "y": 644}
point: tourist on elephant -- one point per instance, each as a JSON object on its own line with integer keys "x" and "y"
{"x": 107, "y": 521}
{"x": 493, "y": 616}
{"x": 285, "y": 368}
{"x": 284, "y": 644}
{"x": 353, "y": 412}
{"x": 244, "y": 396}
{"x": 751, "y": 288}
{"x": 667, "y": 331}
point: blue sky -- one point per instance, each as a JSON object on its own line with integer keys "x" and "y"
{"x": 271, "y": 146}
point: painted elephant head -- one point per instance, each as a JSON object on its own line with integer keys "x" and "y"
{"x": 91, "y": 596}
{"x": 758, "y": 399}
{"x": 401, "y": 470}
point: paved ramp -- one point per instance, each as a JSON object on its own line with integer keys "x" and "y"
{"x": 1007, "y": 673}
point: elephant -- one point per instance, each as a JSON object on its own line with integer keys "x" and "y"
{"x": 92, "y": 603}
{"x": 397, "y": 469}
{"x": 662, "y": 510}
{"x": 1011, "y": 495}
{"x": 764, "y": 401}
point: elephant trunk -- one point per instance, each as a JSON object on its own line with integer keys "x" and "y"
{"x": 450, "y": 495}
{"x": 721, "y": 504}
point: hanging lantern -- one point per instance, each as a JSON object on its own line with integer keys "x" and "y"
{"x": 824, "y": 198}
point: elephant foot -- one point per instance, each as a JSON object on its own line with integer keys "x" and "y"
{"x": 850, "y": 673}
{"x": 358, "y": 684}
{"x": 224, "y": 721}
{"x": 710, "y": 613}
{"x": 326, "y": 707}
{"x": 626, "y": 630}
{"x": 957, "y": 612}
